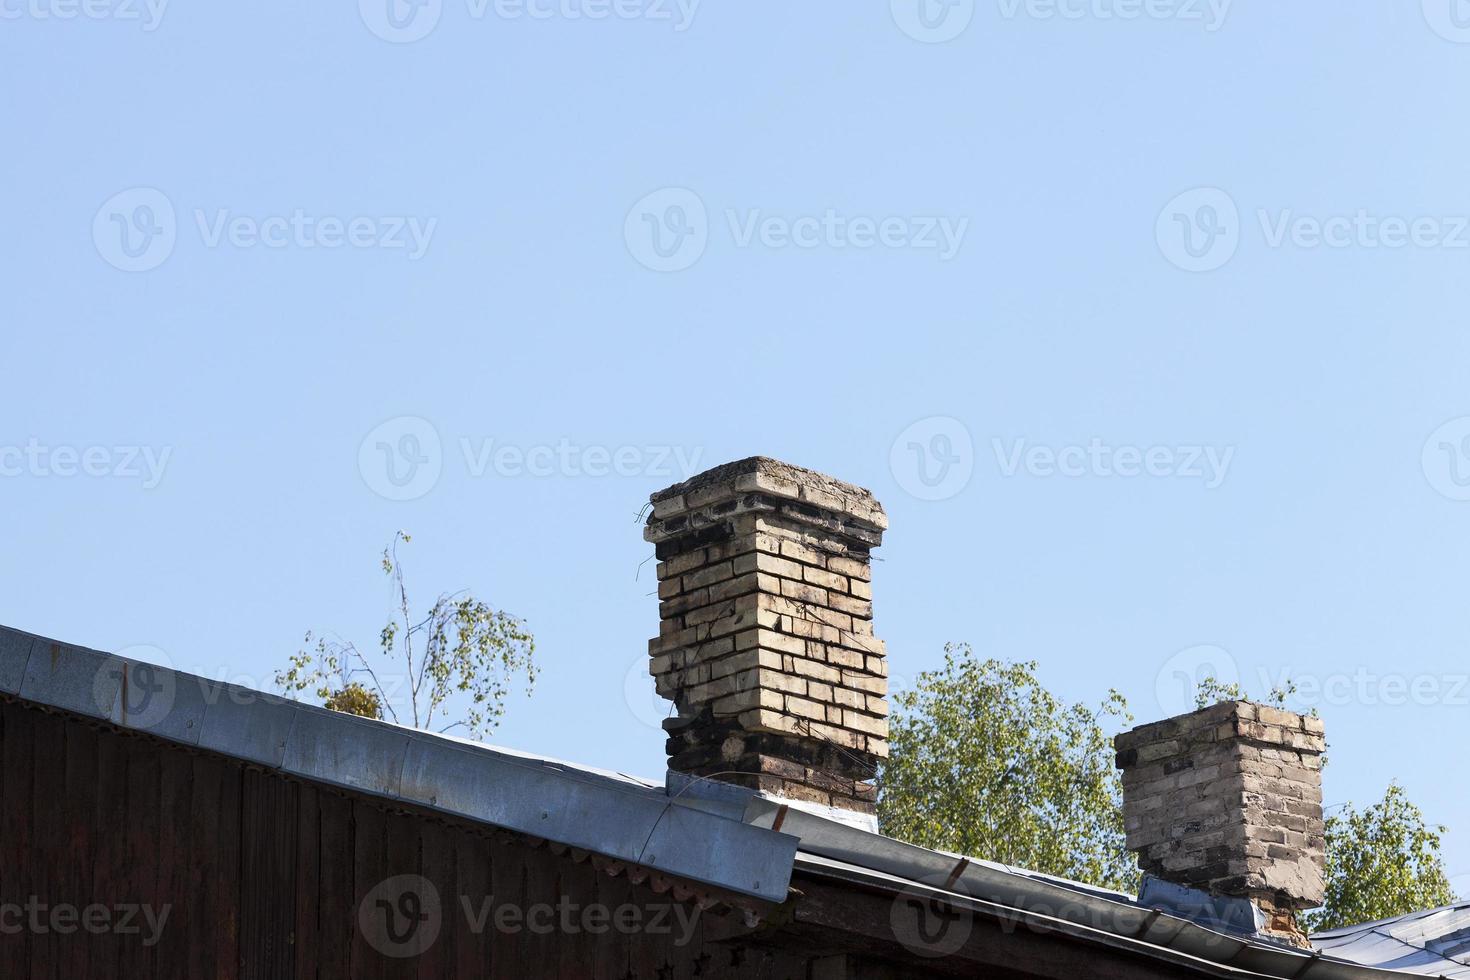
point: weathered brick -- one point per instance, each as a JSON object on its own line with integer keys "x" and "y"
{"x": 766, "y": 630}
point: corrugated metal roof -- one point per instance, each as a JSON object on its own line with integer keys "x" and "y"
{"x": 1433, "y": 943}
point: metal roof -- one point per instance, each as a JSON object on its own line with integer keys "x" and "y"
{"x": 1434, "y": 943}
{"x": 702, "y": 831}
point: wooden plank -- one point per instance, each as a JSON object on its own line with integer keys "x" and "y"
{"x": 227, "y": 914}
{"x": 511, "y": 954}
{"x": 268, "y": 874}
{"x": 16, "y": 844}
{"x": 51, "y": 881}
{"x": 139, "y": 835}
{"x": 367, "y": 873}
{"x": 475, "y": 953}
{"x": 337, "y": 915}
{"x": 177, "y": 849}
{"x": 78, "y": 806}
{"x": 109, "y": 872}
{"x": 402, "y": 858}
{"x": 306, "y": 891}
{"x": 436, "y": 864}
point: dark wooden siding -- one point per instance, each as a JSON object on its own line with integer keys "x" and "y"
{"x": 263, "y": 876}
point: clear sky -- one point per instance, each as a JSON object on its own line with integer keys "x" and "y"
{"x": 1145, "y": 321}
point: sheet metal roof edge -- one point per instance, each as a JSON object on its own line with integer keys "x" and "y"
{"x": 1093, "y": 912}
{"x": 605, "y": 814}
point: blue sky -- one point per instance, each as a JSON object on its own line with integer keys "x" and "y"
{"x": 1144, "y": 321}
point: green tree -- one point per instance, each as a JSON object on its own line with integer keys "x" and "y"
{"x": 1382, "y": 862}
{"x": 458, "y": 662}
{"x": 983, "y": 760}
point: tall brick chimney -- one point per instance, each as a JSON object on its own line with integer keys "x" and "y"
{"x": 1228, "y": 800}
{"x": 766, "y": 643}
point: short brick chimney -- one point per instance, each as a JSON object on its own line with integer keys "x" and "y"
{"x": 1228, "y": 800}
{"x": 766, "y": 643}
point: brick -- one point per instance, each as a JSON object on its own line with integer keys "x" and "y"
{"x": 812, "y": 668}
{"x": 851, "y": 567}
{"x": 825, "y": 579}
{"x": 805, "y": 593}
{"x": 799, "y": 551}
{"x": 759, "y": 561}
{"x": 854, "y": 607}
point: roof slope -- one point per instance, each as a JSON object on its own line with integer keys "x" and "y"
{"x": 708, "y": 832}
{"x": 1435, "y": 943}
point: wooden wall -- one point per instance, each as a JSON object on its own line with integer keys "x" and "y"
{"x": 263, "y": 875}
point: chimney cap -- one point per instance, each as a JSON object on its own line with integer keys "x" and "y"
{"x": 712, "y": 492}
{"x": 1248, "y": 720}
